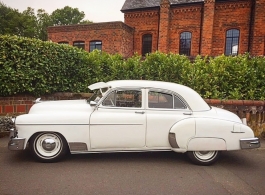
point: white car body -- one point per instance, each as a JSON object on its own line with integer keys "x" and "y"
{"x": 89, "y": 127}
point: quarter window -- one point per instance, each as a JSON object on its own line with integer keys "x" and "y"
{"x": 95, "y": 45}
{"x": 164, "y": 100}
{"x": 185, "y": 43}
{"x": 146, "y": 44}
{"x": 231, "y": 44}
{"x": 124, "y": 98}
{"x": 80, "y": 44}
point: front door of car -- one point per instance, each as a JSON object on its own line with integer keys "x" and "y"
{"x": 119, "y": 122}
{"x": 164, "y": 109}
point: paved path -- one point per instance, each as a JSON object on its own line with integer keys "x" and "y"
{"x": 237, "y": 172}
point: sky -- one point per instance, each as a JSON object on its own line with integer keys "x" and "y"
{"x": 95, "y": 10}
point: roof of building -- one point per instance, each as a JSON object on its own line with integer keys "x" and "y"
{"x": 140, "y": 4}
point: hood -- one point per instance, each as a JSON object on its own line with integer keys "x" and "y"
{"x": 57, "y": 112}
{"x": 226, "y": 115}
{"x": 62, "y": 106}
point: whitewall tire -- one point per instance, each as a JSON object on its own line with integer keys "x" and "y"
{"x": 48, "y": 147}
{"x": 204, "y": 157}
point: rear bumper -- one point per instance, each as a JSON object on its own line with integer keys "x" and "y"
{"x": 249, "y": 143}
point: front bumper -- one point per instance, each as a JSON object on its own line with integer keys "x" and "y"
{"x": 249, "y": 143}
{"x": 14, "y": 142}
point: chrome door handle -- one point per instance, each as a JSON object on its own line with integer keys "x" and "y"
{"x": 187, "y": 113}
{"x": 139, "y": 112}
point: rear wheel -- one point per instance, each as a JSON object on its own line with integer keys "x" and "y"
{"x": 204, "y": 157}
{"x": 48, "y": 147}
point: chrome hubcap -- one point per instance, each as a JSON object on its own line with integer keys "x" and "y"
{"x": 205, "y": 155}
{"x": 48, "y": 144}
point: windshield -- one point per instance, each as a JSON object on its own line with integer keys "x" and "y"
{"x": 97, "y": 95}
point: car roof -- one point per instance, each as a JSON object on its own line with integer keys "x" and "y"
{"x": 194, "y": 100}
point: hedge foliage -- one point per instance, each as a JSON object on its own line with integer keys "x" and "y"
{"x": 37, "y": 67}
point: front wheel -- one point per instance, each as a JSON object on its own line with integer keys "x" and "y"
{"x": 48, "y": 147}
{"x": 204, "y": 157}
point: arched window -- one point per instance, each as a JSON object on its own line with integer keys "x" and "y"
{"x": 146, "y": 44}
{"x": 79, "y": 44}
{"x": 231, "y": 43}
{"x": 95, "y": 45}
{"x": 185, "y": 43}
{"x": 63, "y": 42}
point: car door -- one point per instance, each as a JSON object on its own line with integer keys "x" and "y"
{"x": 119, "y": 122}
{"x": 164, "y": 109}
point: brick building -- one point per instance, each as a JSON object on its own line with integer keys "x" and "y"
{"x": 189, "y": 27}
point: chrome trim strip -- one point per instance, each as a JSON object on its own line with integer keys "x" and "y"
{"x": 53, "y": 124}
{"x": 79, "y": 124}
{"x": 118, "y": 151}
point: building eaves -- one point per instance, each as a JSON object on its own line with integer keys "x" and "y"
{"x": 141, "y": 4}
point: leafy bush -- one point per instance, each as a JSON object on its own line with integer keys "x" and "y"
{"x": 37, "y": 67}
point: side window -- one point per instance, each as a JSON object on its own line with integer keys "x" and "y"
{"x": 160, "y": 100}
{"x": 124, "y": 98}
{"x": 232, "y": 41}
{"x": 164, "y": 100}
{"x": 79, "y": 44}
{"x": 146, "y": 44}
{"x": 178, "y": 104}
{"x": 185, "y": 43}
{"x": 95, "y": 45}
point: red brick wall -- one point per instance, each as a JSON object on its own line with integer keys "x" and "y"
{"x": 185, "y": 18}
{"x": 231, "y": 15}
{"x": 207, "y": 27}
{"x": 258, "y": 42}
{"x": 164, "y": 23}
{"x": 116, "y": 37}
{"x": 208, "y": 22}
{"x": 143, "y": 22}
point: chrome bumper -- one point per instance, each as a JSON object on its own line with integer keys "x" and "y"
{"x": 249, "y": 143}
{"x": 16, "y": 144}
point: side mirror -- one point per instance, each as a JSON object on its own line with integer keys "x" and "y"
{"x": 92, "y": 103}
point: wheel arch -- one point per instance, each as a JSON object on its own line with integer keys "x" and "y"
{"x": 182, "y": 132}
{"x": 39, "y": 132}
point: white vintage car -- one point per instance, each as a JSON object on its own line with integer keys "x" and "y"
{"x": 126, "y": 116}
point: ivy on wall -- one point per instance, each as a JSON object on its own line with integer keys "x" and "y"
{"x": 36, "y": 67}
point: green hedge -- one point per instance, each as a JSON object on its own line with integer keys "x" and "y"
{"x": 37, "y": 67}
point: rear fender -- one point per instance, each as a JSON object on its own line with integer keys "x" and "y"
{"x": 182, "y": 132}
{"x": 206, "y": 144}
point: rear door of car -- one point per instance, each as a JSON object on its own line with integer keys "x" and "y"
{"x": 163, "y": 110}
{"x": 119, "y": 122}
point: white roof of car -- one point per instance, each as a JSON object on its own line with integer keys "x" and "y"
{"x": 194, "y": 100}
